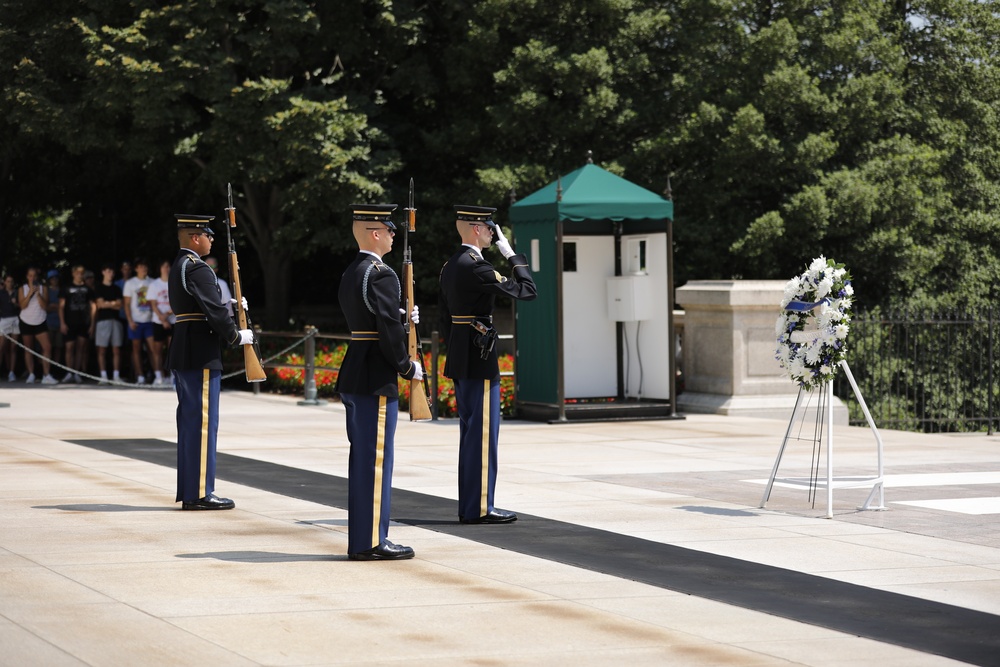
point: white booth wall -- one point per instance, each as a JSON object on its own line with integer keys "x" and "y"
{"x": 594, "y": 300}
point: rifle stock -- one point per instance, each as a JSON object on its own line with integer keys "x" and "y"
{"x": 251, "y": 354}
{"x": 419, "y": 404}
{"x": 251, "y": 359}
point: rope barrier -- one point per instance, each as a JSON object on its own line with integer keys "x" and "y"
{"x": 133, "y": 385}
{"x": 101, "y": 380}
{"x": 309, "y": 334}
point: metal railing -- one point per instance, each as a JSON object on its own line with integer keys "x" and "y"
{"x": 307, "y": 338}
{"x": 930, "y": 372}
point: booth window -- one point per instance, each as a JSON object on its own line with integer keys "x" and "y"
{"x": 569, "y": 256}
{"x": 636, "y": 249}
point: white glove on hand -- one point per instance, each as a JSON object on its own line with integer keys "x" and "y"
{"x": 246, "y": 337}
{"x": 246, "y": 306}
{"x": 418, "y": 372}
{"x": 414, "y": 316}
{"x": 503, "y": 245}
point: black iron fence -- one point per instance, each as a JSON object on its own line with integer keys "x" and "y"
{"x": 930, "y": 372}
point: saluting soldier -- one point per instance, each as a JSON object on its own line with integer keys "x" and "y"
{"x": 367, "y": 382}
{"x": 469, "y": 287}
{"x": 203, "y": 324}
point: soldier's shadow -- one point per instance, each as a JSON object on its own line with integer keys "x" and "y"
{"x": 104, "y": 507}
{"x": 263, "y": 557}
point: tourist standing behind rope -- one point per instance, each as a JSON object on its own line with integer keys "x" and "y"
{"x": 202, "y": 324}
{"x": 76, "y": 322}
{"x": 108, "y": 329}
{"x": 33, "y": 298}
{"x": 10, "y": 325}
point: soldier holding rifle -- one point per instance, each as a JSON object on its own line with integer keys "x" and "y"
{"x": 469, "y": 287}
{"x": 203, "y": 322}
{"x": 367, "y": 382}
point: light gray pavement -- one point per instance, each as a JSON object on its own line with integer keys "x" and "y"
{"x": 99, "y": 567}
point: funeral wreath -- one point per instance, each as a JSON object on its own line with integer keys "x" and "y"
{"x": 814, "y": 322}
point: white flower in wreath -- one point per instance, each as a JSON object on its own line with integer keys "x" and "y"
{"x": 840, "y": 331}
{"x": 813, "y": 352}
{"x": 824, "y": 287}
{"x": 791, "y": 289}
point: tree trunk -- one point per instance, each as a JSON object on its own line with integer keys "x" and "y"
{"x": 261, "y": 211}
{"x": 277, "y": 289}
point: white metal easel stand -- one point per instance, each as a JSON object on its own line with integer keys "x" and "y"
{"x": 842, "y": 483}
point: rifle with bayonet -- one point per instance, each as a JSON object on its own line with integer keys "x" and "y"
{"x": 251, "y": 353}
{"x": 419, "y": 404}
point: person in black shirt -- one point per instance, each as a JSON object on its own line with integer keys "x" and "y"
{"x": 108, "y": 329}
{"x": 76, "y": 320}
{"x": 9, "y": 320}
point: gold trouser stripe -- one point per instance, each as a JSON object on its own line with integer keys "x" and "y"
{"x": 483, "y": 500}
{"x": 379, "y": 458}
{"x": 364, "y": 335}
{"x": 203, "y": 473}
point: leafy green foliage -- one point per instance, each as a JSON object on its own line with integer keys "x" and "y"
{"x": 865, "y": 131}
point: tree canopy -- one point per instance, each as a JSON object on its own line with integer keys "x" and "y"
{"x": 864, "y": 131}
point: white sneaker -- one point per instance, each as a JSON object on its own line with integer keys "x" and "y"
{"x": 48, "y": 379}
{"x": 141, "y": 379}
{"x": 11, "y": 377}
{"x": 77, "y": 379}
{"x": 30, "y": 379}
{"x": 67, "y": 378}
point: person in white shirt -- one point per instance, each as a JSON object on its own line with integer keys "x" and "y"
{"x": 33, "y": 299}
{"x": 139, "y": 311}
{"x": 163, "y": 320}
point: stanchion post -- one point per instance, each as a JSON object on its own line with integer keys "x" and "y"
{"x": 310, "y": 364}
{"x": 434, "y": 375}
{"x": 256, "y": 385}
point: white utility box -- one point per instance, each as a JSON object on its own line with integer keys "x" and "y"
{"x": 630, "y": 298}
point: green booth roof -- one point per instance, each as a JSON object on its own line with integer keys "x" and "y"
{"x": 591, "y": 193}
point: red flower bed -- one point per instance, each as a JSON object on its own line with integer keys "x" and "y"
{"x": 292, "y": 380}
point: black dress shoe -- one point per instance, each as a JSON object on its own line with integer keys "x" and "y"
{"x": 209, "y": 502}
{"x": 493, "y": 516}
{"x": 385, "y": 551}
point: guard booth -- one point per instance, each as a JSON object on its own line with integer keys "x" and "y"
{"x": 597, "y": 343}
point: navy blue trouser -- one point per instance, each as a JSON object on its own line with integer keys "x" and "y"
{"x": 479, "y": 434}
{"x": 371, "y": 428}
{"x": 197, "y": 430}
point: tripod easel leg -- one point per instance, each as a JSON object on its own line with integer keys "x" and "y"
{"x": 781, "y": 451}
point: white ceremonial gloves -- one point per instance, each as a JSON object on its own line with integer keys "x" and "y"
{"x": 246, "y": 306}
{"x": 246, "y": 337}
{"x": 414, "y": 315}
{"x": 503, "y": 245}
{"x": 418, "y": 372}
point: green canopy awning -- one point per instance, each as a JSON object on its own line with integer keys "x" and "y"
{"x": 591, "y": 193}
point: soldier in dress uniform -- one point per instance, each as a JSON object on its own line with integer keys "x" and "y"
{"x": 469, "y": 287}
{"x": 367, "y": 382}
{"x": 203, "y": 324}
